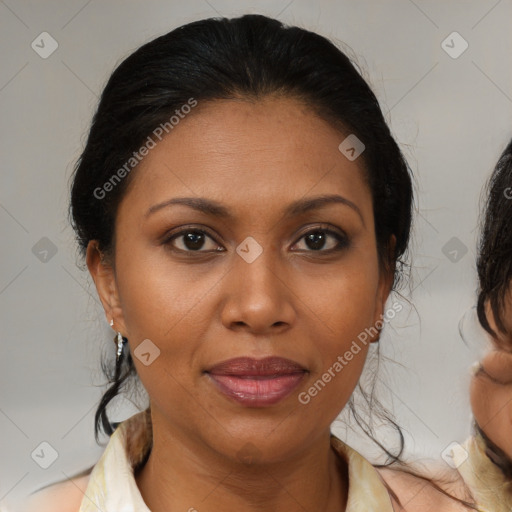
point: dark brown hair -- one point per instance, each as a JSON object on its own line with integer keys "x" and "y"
{"x": 494, "y": 262}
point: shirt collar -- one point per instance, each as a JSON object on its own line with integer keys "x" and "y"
{"x": 488, "y": 485}
{"x": 112, "y": 486}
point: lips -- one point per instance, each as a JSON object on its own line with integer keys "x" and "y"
{"x": 249, "y": 367}
{"x": 257, "y": 382}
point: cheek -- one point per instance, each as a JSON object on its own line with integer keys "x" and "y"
{"x": 484, "y": 401}
{"x": 341, "y": 330}
{"x": 477, "y": 399}
{"x": 162, "y": 299}
{"x": 329, "y": 389}
{"x": 163, "y": 304}
{"x": 169, "y": 306}
{"x": 492, "y": 410}
{"x": 344, "y": 300}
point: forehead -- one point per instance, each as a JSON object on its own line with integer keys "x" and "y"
{"x": 258, "y": 155}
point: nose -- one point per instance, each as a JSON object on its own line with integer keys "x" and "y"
{"x": 258, "y": 296}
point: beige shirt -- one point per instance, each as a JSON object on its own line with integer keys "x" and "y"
{"x": 112, "y": 487}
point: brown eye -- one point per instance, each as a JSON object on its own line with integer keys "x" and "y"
{"x": 192, "y": 240}
{"x": 324, "y": 240}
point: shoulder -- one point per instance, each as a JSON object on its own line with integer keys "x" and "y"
{"x": 60, "y": 497}
{"x": 417, "y": 494}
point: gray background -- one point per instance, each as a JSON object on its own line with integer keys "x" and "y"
{"x": 452, "y": 117}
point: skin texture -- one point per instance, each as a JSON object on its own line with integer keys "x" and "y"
{"x": 491, "y": 389}
{"x": 255, "y": 158}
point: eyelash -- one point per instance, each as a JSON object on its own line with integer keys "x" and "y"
{"x": 343, "y": 241}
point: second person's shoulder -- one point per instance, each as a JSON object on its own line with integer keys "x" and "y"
{"x": 63, "y": 496}
{"x": 418, "y": 494}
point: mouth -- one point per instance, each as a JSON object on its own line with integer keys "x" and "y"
{"x": 257, "y": 382}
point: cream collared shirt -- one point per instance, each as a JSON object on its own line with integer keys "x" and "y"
{"x": 112, "y": 487}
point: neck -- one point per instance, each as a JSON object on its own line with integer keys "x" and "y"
{"x": 184, "y": 474}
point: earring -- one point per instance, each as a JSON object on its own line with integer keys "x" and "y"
{"x": 120, "y": 342}
{"x": 475, "y": 368}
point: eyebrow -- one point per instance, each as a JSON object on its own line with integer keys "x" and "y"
{"x": 216, "y": 209}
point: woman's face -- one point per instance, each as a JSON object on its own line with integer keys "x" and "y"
{"x": 253, "y": 285}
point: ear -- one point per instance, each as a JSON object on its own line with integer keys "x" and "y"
{"x": 386, "y": 277}
{"x": 104, "y": 278}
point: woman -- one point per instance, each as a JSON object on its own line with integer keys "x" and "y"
{"x": 491, "y": 388}
{"x": 244, "y": 213}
